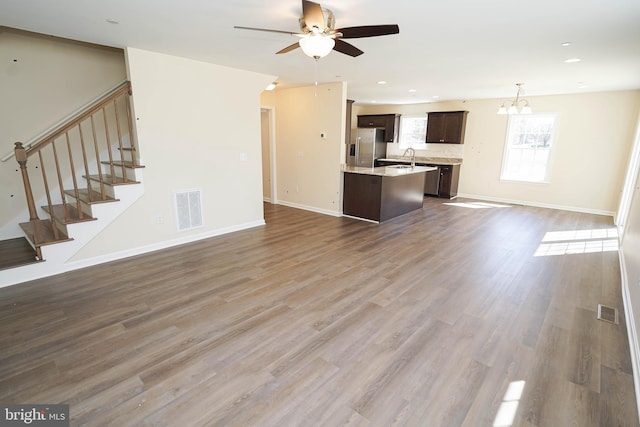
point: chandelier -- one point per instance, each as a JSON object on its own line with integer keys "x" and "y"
{"x": 515, "y": 108}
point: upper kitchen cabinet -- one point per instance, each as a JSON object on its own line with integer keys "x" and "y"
{"x": 446, "y": 127}
{"x": 389, "y": 122}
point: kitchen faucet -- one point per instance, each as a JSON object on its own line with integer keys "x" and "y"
{"x": 413, "y": 156}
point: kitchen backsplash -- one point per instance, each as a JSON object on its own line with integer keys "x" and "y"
{"x": 455, "y": 151}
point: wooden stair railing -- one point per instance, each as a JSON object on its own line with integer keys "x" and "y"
{"x": 86, "y": 135}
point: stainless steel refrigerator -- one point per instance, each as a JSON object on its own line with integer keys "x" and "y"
{"x": 366, "y": 146}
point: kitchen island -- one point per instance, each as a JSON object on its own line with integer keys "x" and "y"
{"x": 442, "y": 182}
{"x": 381, "y": 193}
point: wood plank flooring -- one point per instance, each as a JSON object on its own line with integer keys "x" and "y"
{"x": 16, "y": 252}
{"x": 441, "y": 317}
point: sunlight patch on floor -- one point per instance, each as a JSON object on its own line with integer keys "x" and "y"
{"x": 578, "y": 242}
{"x": 507, "y": 410}
{"x": 602, "y": 233}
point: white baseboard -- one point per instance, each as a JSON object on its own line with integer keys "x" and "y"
{"x": 161, "y": 245}
{"x": 634, "y": 346}
{"x": 539, "y": 205}
{"x": 309, "y": 208}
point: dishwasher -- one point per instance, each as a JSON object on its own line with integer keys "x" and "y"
{"x": 432, "y": 181}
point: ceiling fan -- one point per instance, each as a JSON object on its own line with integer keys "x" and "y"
{"x": 319, "y": 36}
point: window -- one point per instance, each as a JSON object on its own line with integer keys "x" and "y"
{"x": 413, "y": 131}
{"x": 528, "y": 147}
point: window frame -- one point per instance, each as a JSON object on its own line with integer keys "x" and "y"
{"x": 401, "y": 142}
{"x": 553, "y": 141}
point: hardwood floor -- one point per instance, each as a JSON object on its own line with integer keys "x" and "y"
{"x": 16, "y": 252}
{"x": 425, "y": 320}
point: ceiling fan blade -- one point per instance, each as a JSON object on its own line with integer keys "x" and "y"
{"x": 312, "y": 13}
{"x": 289, "y": 48}
{"x": 265, "y": 29}
{"x": 368, "y": 31}
{"x": 347, "y": 48}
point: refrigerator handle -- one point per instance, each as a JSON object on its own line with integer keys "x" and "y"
{"x": 358, "y": 151}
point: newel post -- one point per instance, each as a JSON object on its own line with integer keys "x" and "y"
{"x": 21, "y": 157}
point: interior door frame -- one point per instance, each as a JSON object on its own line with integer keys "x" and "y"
{"x": 271, "y": 114}
{"x": 631, "y": 180}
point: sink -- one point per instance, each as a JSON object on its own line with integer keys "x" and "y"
{"x": 400, "y": 166}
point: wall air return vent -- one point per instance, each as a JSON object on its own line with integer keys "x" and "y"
{"x": 188, "y": 206}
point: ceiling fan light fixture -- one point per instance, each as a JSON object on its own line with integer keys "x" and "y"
{"x": 319, "y": 35}
{"x": 316, "y": 46}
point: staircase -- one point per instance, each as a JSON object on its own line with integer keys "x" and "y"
{"x": 82, "y": 174}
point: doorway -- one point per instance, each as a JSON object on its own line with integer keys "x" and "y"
{"x": 267, "y": 133}
{"x": 631, "y": 180}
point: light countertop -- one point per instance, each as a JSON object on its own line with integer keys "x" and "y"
{"x": 386, "y": 170}
{"x": 429, "y": 160}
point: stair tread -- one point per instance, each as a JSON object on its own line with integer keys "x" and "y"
{"x": 72, "y": 214}
{"x": 83, "y": 195}
{"x": 112, "y": 180}
{"x": 127, "y": 164}
{"x": 16, "y": 252}
{"x": 47, "y": 236}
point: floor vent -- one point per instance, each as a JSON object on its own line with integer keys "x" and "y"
{"x": 608, "y": 314}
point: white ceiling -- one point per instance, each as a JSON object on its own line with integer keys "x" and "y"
{"x": 452, "y": 49}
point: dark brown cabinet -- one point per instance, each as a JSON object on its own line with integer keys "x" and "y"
{"x": 379, "y": 198}
{"x": 446, "y": 127}
{"x": 389, "y": 122}
{"x": 449, "y": 176}
{"x": 443, "y": 184}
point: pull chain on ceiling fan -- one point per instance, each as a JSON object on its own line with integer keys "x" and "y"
{"x": 318, "y": 36}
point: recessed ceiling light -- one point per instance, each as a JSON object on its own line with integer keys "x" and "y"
{"x": 373, "y": 102}
{"x": 112, "y": 21}
{"x": 412, "y": 91}
{"x": 382, "y": 82}
{"x": 436, "y": 96}
{"x": 572, "y": 60}
{"x": 566, "y": 44}
{"x": 582, "y": 85}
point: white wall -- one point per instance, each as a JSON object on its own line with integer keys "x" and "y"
{"x": 595, "y": 133}
{"x": 42, "y": 80}
{"x": 308, "y": 167}
{"x": 198, "y": 128}
{"x": 630, "y": 257}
